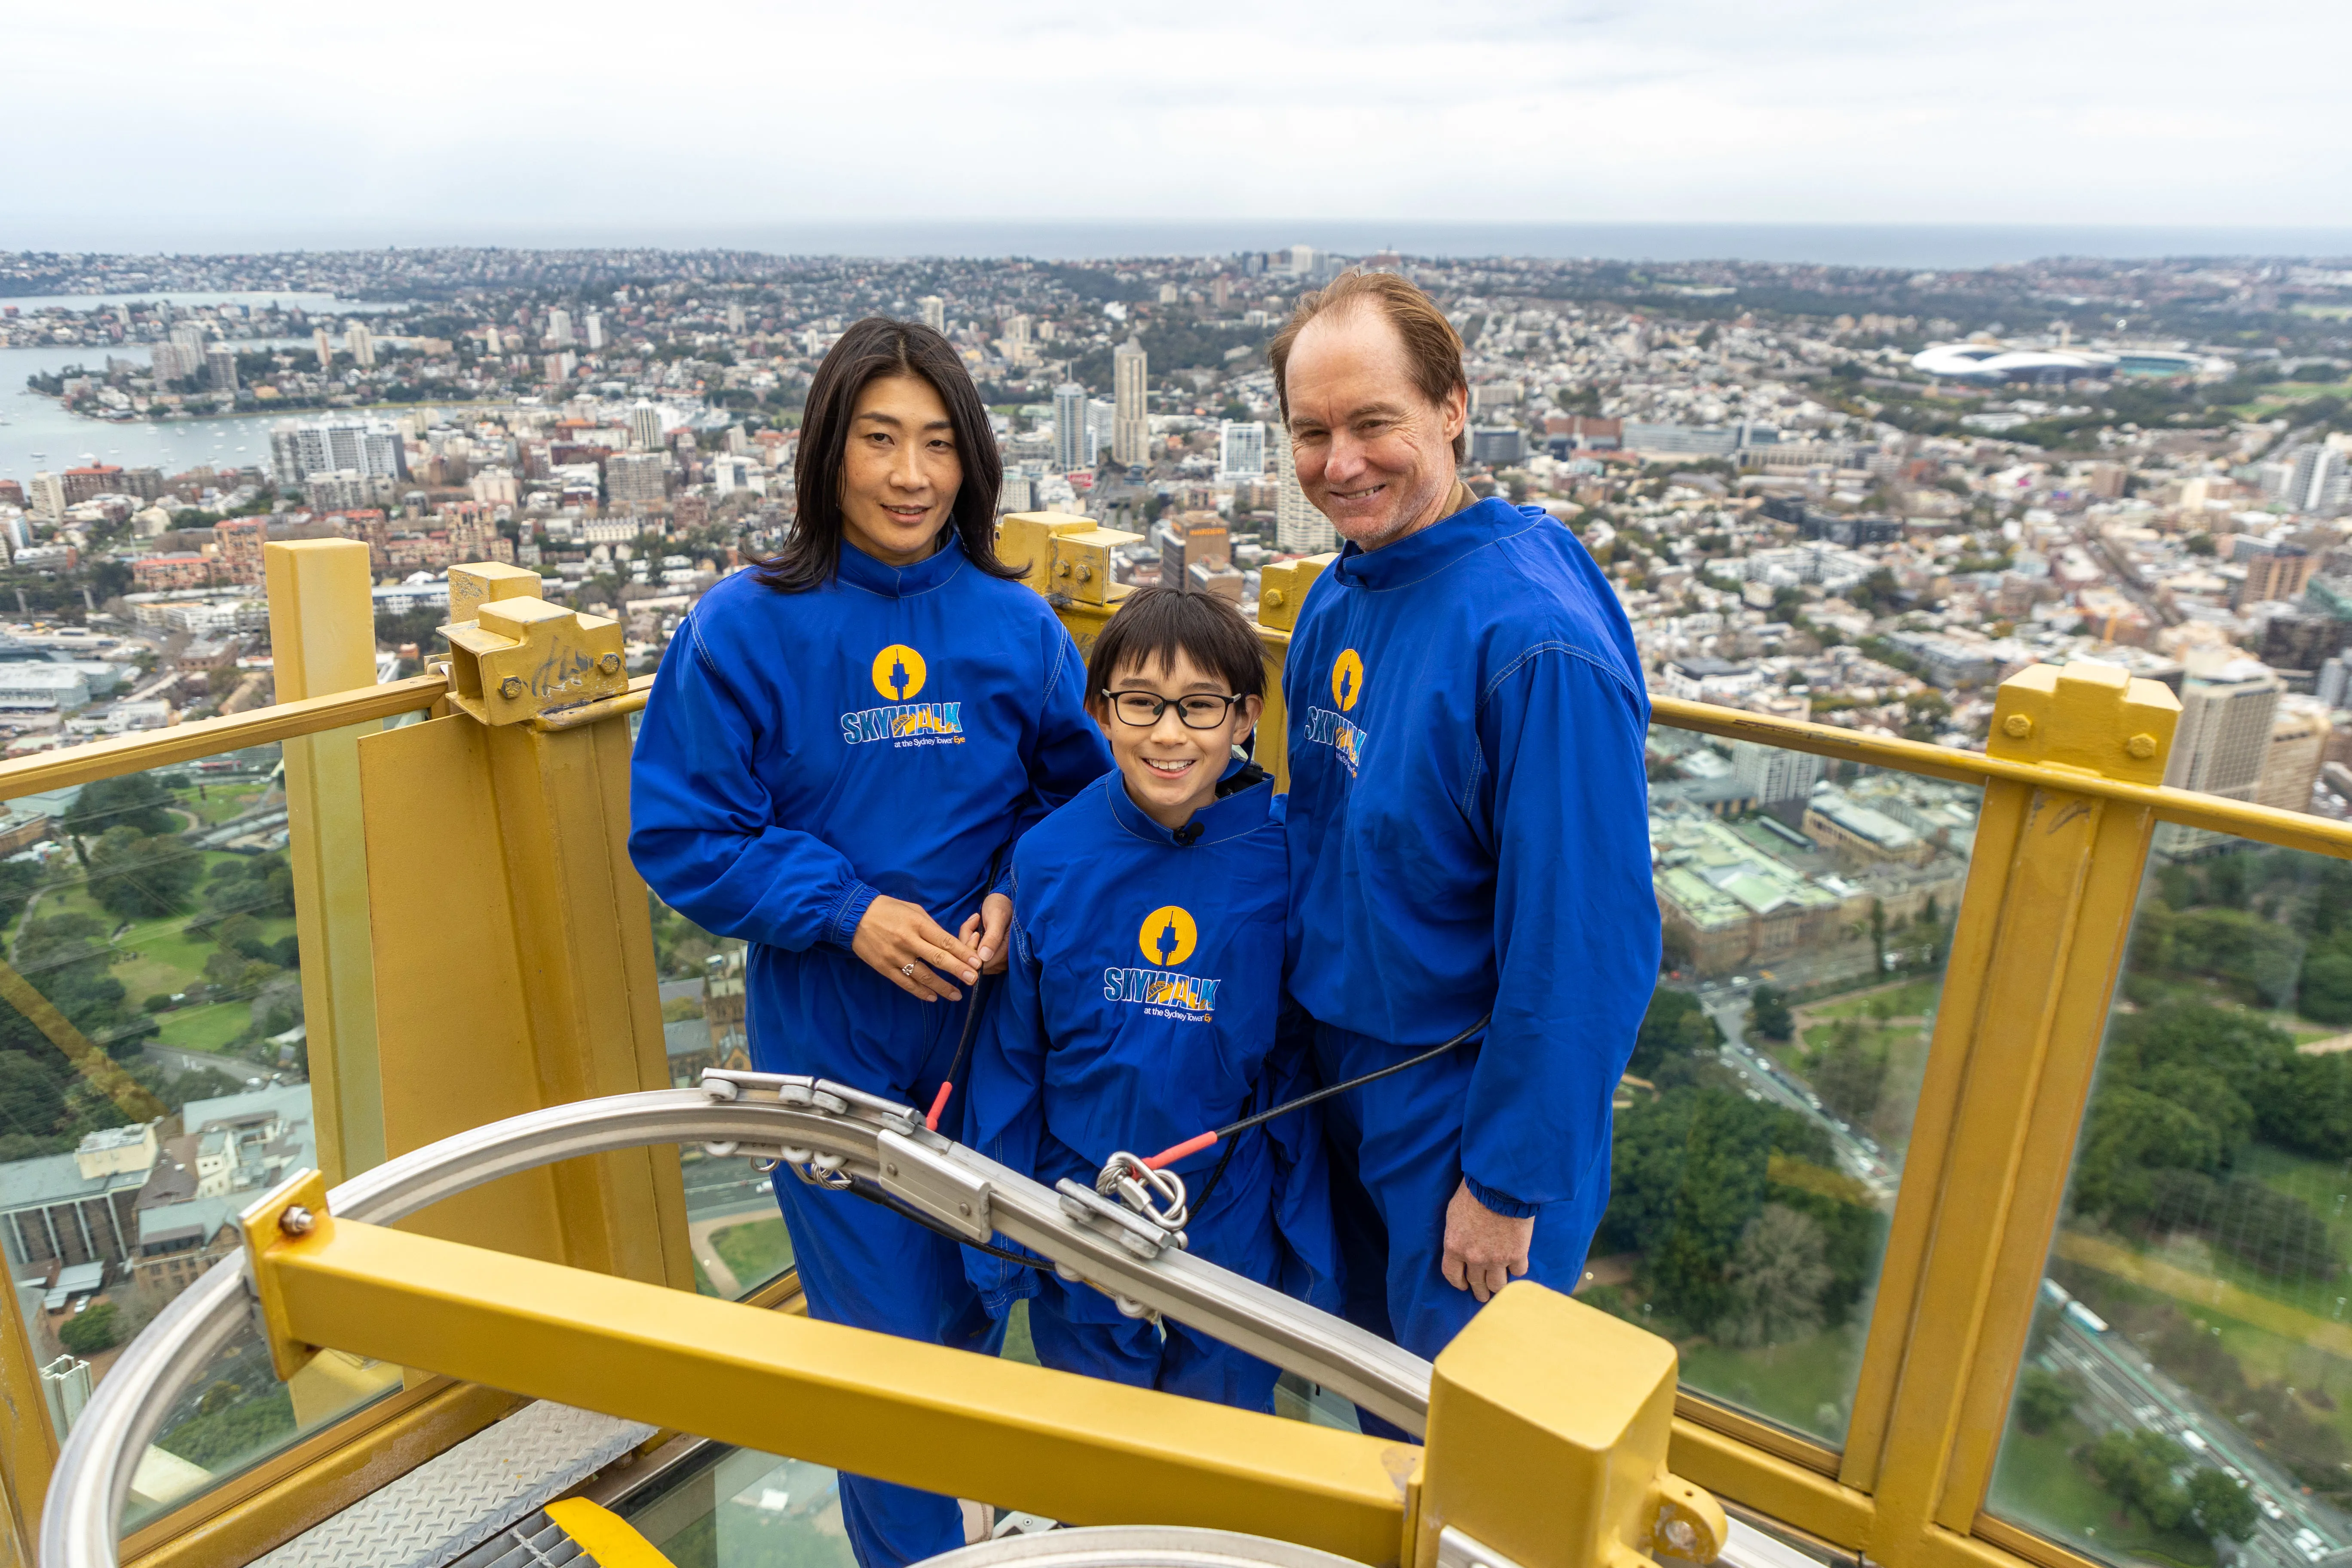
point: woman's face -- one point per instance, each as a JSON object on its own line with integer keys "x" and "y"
{"x": 899, "y": 477}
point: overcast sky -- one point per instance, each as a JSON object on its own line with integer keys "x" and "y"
{"x": 153, "y": 123}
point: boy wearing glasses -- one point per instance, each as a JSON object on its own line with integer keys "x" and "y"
{"x": 1143, "y": 1000}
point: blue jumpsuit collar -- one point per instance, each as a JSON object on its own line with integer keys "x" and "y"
{"x": 1422, "y": 555}
{"x": 860, "y": 569}
{"x": 1219, "y": 820}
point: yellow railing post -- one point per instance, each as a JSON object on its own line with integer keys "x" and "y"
{"x": 513, "y": 938}
{"x": 2038, "y": 942}
{"x": 28, "y": 1447}
{"x": 322, "y": 638}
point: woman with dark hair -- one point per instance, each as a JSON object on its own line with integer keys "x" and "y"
{"x": 840, "y": 751}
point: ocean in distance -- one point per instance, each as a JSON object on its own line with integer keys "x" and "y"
{"x": 1941, "y": 246}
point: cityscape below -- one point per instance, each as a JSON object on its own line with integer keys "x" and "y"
{"x": 1859, "y": 495}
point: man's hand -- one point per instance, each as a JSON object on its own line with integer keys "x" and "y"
{"x": 1484, "y": 1250}
{"x": 984, "y": 932}
{"x": 896, "y": 936}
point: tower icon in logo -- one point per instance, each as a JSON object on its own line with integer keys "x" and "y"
{"x": 1168, "y": 936}
{"x": 1346, "y": 678}
{"x": 898, "y": 672}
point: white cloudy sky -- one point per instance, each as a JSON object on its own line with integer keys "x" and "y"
{"x": 487, "y": 118}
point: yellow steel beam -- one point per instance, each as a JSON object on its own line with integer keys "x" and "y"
{"x": 28, "y": 1446}
{"x": 70, "y": 765}
{"x": 98, "y": 1069}
{"x": 2036, "y": 946}
{"x": 322, "y": 635}
{"x": 1073, "y": 1449}
{"x": 1549, "y": 1425}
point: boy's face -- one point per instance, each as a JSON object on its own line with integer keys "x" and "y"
{"x": 1171, "y": 769}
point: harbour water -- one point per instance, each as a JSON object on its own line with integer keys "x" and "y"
{"x": 37, "y": 433}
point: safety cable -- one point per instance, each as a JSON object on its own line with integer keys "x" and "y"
{"x": 874, "y": 1193}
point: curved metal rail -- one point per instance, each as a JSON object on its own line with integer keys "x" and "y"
{"x": 764, "y": 1116}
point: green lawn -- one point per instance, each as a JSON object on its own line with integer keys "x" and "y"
{"x": 1909, "y": 1000}
{"x": 2038, "y": 1483}
{"x": 219, "y": 802}
{"x": 210, "y": 1027}
{"x": 755, "y": 1251}
{"x": 1803, "y": 1386}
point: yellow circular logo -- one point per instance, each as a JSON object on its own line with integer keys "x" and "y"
{"x": 1168, "y": 936}
{"x": 898, "y": 672}
{"x": 1346, "y": 679}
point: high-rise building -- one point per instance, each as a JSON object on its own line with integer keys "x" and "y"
{"x": 362, "y": 344}
{"x": 220, "y": 367}
{"x": 1019, "y": 493}
{"x": 2276, "y": 572}
{"x": 2299, "y": 736}
{"x": 191, "y": 339}
{"x": 324, "y": 347}
{"x": 240, "y": 540}
{"x": 46, "y": 496}
{"x": 2318, "y": 479}
{"x": 1302, "y": 261}
{"x": 592, "y": 327}
{"x": 644, "y": 427}
{"x": 1131, "y": 431}
{"x": 1770, "y": 774}
{"x": 934, "y": 311}
{"x": 2227, "y": 704}
{"x": 2334, "y": 682}
{"x": 369, "y": 448}
{"x": 559, "y": 366}
{"x": 559, "y": 328}
{"x": 636, "y": 479}
{"x": 735, "y": 317}
{"x": 96, "y": 479}
{"x": 1070, "y": 445}
{"x": 1298, "y": 528}
{"x": 1241, "y": 449}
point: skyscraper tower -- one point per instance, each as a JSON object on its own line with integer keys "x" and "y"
{"x": 645, "y": 427}
{"x": 1131, "y": 431}
{"x": 934, "y": 311}
{"x": 324, "y": 347}
{"x": 1070, "y": 427}
{"x": 1298, "y": 528}
{"x": 2227, "y": 705}
{"x": 361, "y": 342}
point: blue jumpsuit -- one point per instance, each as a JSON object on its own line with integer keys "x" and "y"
{"x": 1468, "y": 834}
{"x": 1144, "y": 1006}
{"x": 887, "y": 732}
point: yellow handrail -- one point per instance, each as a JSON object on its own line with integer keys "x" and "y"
{"x": 210, "y": 737}
{"x": 2192, "y": 808}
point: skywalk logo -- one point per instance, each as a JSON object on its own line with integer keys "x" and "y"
{"x": 898, "y": 674}
{"x": 1168, "y": 938}
{"x": 1334, "y": 729}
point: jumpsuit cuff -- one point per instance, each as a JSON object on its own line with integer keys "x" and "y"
{"x": 841, "y": 929}
{"x": 1499, "y": 1203}
{"x": 998, "y": 1304}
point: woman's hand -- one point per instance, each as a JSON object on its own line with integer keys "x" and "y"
{"x": 897, "y": 937}
{"x": 984, "y": 932}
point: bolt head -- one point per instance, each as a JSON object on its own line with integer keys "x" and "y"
{"x": 1271, "y": 598}
{"x": 610, "y": 664}
{"x": 510, "y": 687}
{"x": 2017, "y": 726}
{"x": 2141, "y": 746}
{"x": 889, "y": 1169}
{"x": 295, "y": 1220}
{"x": 964, "y": 1210}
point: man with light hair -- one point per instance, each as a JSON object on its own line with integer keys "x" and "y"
{"x": 1468, "y": 829}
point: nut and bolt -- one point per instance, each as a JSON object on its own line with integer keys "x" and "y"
{"x": 2017, "y": 726}
{"x": 510, "y": 687}
{"x": 2141, "y": 746}
{"x": 295, "y": 1220}
{"x": 610, "y": 664}
{"x": 889, "y": 1169}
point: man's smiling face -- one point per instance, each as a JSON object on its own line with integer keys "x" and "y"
{"x": 1374, "y": 454}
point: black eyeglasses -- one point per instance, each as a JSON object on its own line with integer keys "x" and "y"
{"x": 1142, "y": 709}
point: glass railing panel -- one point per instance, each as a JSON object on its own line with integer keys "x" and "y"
{"x": 1761, "y": 1128}
{"x": 2186, "y": 1395}
{"x": 735, "y": 1508}
{"x": 153, "y": 1081}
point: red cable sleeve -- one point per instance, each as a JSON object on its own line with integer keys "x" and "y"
{"x": 938, "y": 1103}
{"x": 1169, "y": 1156}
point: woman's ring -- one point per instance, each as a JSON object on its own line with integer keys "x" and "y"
{"x": 907, "y": 970}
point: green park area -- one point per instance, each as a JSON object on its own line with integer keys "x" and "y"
{"x": 755, "y": 1251}
{"x": 142, "y": 937}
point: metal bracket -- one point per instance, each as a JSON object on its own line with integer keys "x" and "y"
{"x": 1130, "y": 1230}
{"x": 935, "y": 1184}
{"x": 285, "y": 1216}
{"x": 1455, "y": 1550}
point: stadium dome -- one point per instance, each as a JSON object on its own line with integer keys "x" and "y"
{"x": 1998, "y": 362}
